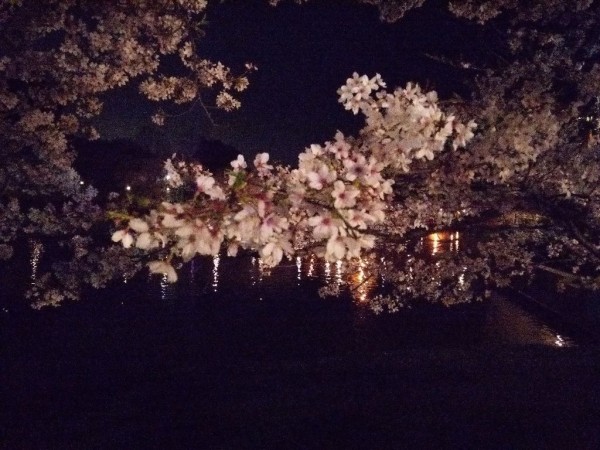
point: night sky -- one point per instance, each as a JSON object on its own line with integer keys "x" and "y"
{"x": 304, "y": 53}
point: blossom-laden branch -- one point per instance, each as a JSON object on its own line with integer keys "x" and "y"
{"x": 58, "y": 61}
{"x": 339, "y": 191}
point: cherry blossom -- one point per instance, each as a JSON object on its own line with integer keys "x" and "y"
{"x": 514, "y": 163}
{"x": 321, "y": 177}
{"x": 334, "y": 197}
{"x": 163, "y": 268}
{"x": 344, "y": 195}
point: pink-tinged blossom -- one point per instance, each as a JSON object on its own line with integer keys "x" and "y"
{"x": 260, "y": 163}
{"x": 358, "y": 219}
{"x": 356, "y": 168}
{"x": 244, "y": 226}
{"x": 216, "y": 193}
{"x": 310, "y": 158}
{"x": 386, "y": 189}
{"x": 144, "y": 241}
{"x": 272, "y": 224}
{"x": 373, "y": 176}
{"x": 340, "y": 148}
{"x": 344, "y": 195}
{"x": 424, "y": 152}
{"x": 464, "y": 133}
{"x": 376, "y": 211}
{"x": 246, "y": 212}
{"x": 172, "y": 215}
{"x": 316, "y": 150}
{"x": 335, "y": 249}
{"x": 198, "y": 238}
{"x": 320, "y": 178}
{"x": 324, "y": 226}
{"x": 239, "y": 163}
{"x": 187, "y": 241}
{"x": 164, "y": 268}
{"x": 355, "y": 246}
{"x": 206, "y": 185}
{"x": 296, "y": 194}
{"x": 272, "y": 253}
{"x": 261, "y": 208}
{"x": 209, "y": 241}
{"x": 356, "y": 91}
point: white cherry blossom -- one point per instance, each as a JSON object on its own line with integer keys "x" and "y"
{"x": 344, "y": 195}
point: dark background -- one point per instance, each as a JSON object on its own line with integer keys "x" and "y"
{"x": 304, "y": 54}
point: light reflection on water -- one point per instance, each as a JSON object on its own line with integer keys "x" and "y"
{"x": 508, "y": 323}
{"x": 167, "y": 290}
{"x": 299, "y": 269}
{"x": 505, "y": 322}
{"x": 215, "y": 273}
{"x": 36, "y": 250}
{"x": 441, "y": 242}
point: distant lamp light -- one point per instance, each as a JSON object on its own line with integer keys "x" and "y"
{"x": 559, "y": 342}
{"x": 167, "y": 177}
{"x": 81, "y": 183}
{"x": 128, "y": 188}
{"x": 168, "y": 189}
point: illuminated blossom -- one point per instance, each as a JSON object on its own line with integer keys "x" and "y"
{"x": 163, "y": 268}
{"x": 324, "y": 226}
{"x": 344, "y": 195}
{"x": 320, "y": 177}
{"x": 239, "y": 163}
{"x": 124, "y": 237}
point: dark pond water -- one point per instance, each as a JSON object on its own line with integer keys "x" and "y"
{"x": 248, "y": 306}
{"x": 244, "y": 357}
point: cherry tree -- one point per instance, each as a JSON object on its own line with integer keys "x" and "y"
{"x": 527, "y": 184}
{"x": 515, "y": 166}
{"x": 58, "y": 58}
{"x": 523, "y": 184}
{"x": 339, "y": 191}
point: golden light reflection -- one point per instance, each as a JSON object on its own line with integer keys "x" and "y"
{"x": 362, "y": 280}
{"x": 442, "y": 242}
{"x": 360, "y": 276}
{"x": 435, "y": 243}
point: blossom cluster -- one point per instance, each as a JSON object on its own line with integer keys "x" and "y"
{"x": 405, "y": 125}
{"x": 339, "y": 191}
